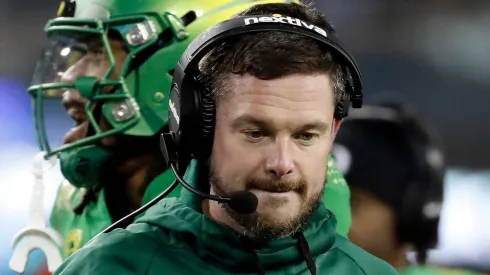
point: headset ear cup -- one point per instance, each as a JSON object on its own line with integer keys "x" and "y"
{"x": 342, "y": 106}
{"x": 207, "y": 116}
{"x": 347, "y": 99}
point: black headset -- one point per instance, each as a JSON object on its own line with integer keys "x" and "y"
{"x": 418, "y": 219}
{"x": 192, "y": 104}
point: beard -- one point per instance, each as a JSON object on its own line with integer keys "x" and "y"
{"x": 262, "y": 226}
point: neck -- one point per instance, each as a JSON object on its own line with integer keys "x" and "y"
{"x": 399, "y": 259}
{"x": 139, "y": 172}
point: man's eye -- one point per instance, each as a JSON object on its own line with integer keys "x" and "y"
{"x": 306, "y": 136}
{"x": 253, "y": 135}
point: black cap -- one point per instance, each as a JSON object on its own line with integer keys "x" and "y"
{"x": 375, "y": 155}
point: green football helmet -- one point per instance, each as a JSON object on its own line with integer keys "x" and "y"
{"x": 128, "y": 91}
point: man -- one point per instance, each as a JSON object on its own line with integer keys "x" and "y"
{"x": 395, "y": 169}
{"x": 275, "y": 95}
{"x": 113, "y": 170}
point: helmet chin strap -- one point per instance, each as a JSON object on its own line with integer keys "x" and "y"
{"x": 81, "y": 166}
{"x": 93, "y": 165}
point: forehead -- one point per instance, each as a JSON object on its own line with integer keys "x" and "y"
{"x": 295, "y": 97}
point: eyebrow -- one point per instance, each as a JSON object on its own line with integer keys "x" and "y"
{"x": 245, "y": 120}
{"x": 249, "y": 120}
{"x": 319, "y": 126}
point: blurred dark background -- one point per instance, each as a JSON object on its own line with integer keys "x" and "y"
{"x": 435, "y": 53}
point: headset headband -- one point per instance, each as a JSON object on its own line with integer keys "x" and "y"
{"x": 261, "y": 23}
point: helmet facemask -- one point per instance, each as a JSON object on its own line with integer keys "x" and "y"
{"x": 97, "y": 62}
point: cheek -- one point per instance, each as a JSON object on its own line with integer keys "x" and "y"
{"x": 98, "y": 69}
{"x": 105, "y": 126}
{"x": 370, "y": 223}
{"x": 373, "y": 231}
{"x": 120, "y": 57}
{"x": 314, "y": 167}
{"x": 233, "y": 161}
{"x": 319, "y": 175}
{"x": 365, "y": 231}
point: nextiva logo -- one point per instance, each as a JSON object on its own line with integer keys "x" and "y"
{"x": 277, "y": 18}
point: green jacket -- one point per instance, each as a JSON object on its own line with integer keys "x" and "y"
{"x": 432, "y": 270}
{"x": 175, "y": 238}
{"x": 79, "y": 229}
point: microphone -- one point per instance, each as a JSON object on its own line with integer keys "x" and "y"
{"x": 243, "y": 202}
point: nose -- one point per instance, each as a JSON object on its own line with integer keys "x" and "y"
{"x": 73, "y": 102}
{"x": 71, "y": 74}
{"x": 280, "y": 162}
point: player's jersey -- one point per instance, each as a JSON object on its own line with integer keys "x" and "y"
{"x": 75, "y": 229}
{"x": 432, "y": 270}
{"x": 79, "y": 229}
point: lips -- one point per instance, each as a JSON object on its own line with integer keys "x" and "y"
{"x": 282, "y": 187}
{"x": 277, "y": 189}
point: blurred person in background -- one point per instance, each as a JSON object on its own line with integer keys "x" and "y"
{"x": 111, "y": 63}
{"x": 395, "y": 169}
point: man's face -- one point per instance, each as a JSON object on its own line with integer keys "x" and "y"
{"x": 273, "y": 138}
{"x": 373, "y": 225}
{"x": 94, "y": 63}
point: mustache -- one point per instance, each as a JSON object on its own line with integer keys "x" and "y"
{"x": 277, "y": 185}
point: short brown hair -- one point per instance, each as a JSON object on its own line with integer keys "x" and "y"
{"x": 262, "y": 55}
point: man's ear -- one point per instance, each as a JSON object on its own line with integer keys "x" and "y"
{"x": 335, "y": 127}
